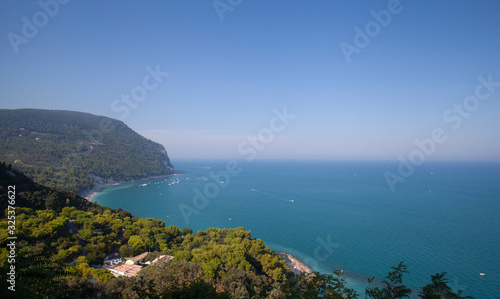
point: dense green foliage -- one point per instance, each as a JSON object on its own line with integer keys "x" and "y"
{"x": 60, "y": 236}
{"x": 68, "y": 150}
{"x": 210, "y": 262}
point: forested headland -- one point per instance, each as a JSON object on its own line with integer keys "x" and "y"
{"x": 74, "y": 151}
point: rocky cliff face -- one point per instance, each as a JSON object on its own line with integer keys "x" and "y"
{"x": 168, "y": 164}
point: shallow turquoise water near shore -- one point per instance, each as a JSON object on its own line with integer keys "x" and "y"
{"x": 342, "y": 214}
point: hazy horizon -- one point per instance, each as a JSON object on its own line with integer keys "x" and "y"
{"x": 358, "y": 81}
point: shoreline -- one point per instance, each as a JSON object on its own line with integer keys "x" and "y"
{"x": 357, "y": 283}
{"x": 295, "y": 263}
{"x": 100, "y": 186}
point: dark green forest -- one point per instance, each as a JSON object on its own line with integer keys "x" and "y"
{"x": 53, "y": 262}
{"x": 73, "y": 151}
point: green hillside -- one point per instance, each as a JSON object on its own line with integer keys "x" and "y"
{"x": 73, "y": 151}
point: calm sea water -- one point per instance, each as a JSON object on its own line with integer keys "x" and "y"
{"x": 342, "y": 214}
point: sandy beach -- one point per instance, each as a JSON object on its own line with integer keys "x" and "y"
{"x": 98, "y": 187}
{"x": 89, "y": 196}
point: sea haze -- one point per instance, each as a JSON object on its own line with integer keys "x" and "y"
{"x": 343, "y": 215}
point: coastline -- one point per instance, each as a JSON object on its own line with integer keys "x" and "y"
{"x": 89, "y": 196}
{"x": 296, "y": 264}
{"x": 100, "y": 186}
{"x": 357, "y": 283}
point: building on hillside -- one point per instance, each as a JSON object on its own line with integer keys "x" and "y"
{"x": 113, "y": 259}
{"x": 131, "y": 266}
{"x": 167, "y": 258}
{"x": 136, "y": 259}
{"x": 124, "y": 270}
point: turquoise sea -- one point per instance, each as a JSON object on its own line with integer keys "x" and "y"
{"x": 342, "y": 214}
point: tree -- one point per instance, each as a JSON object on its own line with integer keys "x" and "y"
{"x": 125, "y": 251}
{"x": 86, "y": 234}
{"x": 335, "y": 286}
{"x": 392, "y": 285}
{"x": 439, "y": 289}
{"x": 137, "y": 244}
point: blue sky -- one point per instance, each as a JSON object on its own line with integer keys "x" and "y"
{"x": 226, "y": 76}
